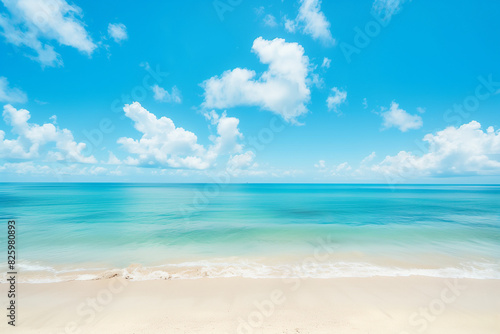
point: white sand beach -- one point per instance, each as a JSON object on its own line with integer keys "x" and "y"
{"x": 399, "y": 305}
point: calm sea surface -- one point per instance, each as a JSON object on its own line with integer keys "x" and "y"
{"x": 147, "y": 231}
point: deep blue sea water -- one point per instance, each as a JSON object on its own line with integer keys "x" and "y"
{"x": 89, "y": 230}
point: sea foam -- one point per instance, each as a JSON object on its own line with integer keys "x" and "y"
{"x": 255, "y": 270}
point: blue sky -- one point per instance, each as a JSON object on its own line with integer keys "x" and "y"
{"x": 387, "y": 91}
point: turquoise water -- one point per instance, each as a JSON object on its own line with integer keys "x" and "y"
{"x": 83, "y": 231}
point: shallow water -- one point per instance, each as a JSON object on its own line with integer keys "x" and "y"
{"x": 67, "y": 231}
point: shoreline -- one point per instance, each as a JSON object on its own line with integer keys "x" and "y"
{"x": 313, "y": 267}
{"x": 400, "y": 305}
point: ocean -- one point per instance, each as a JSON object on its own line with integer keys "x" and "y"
{"x": 82, "y": 231}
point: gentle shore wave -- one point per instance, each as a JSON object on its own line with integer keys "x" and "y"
{"x": 34, "y": 273}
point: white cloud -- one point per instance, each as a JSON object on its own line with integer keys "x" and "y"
{"x": 46, "y": 142}
{"x": 335, "y": 100}
{"x": 321, "y": 164}
{"x": 317, "y": 81}
{"x": 11, "y": 95}
{"x": 270, "y": 20}
{"x": 117, "y": 31}
{"x": 259, "y": 10}
{"x": 336, "y": 170}
{"x": 290, "y": 25}
{"x": 113, "y": 160}
{"x": 286, "y": 173}
{"x": 162, "y": 95}
{"x": 387, "y": 8}
{"x": 34, "y": 23}
{"x": 243, "y": 165}
{"x": 97, "y": 170}
{"x": 58, "y": 171}
{"x": 399, "y": 118}
{"x": 282, "y": 89}
{"x": 40, "y": 102}
{"x": 341, "y": 169}
{"x": 368, "y": 159}
{"x": 25, "y": 168}
{"x": 312, "y": 21}
{"x": 326, "y": 62}
{"x": 365, "y": 103}
{"x": 211, "y": 116}
{"x": 227, "y": 141}
{"x": 164, "y": 144}
{"x": 131, "y": 161}
{"x": 453, "y": 151}
{"x": 239, "y": 162}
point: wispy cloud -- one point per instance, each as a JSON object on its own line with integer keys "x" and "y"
{"x": 326, "y": 62}
{"x": 335, "y": 99}
{"x": 162, "y": 95}
{"x": 270, "y": 20}
{"x": 9, "y": 94}
{"x": 117, "y": 31}
{"x": 311, "y": 21}
{"x": 387, "y": 8}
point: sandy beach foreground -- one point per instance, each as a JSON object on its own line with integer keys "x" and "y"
{"x": 400, "y": 305}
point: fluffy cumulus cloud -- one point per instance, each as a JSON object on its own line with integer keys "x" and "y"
{"x": 117, "y": 31}
{"x": 164, "y": 144}
{"x": 311, "y": 21}
{"x": 45, "y": 142}
{"x": 466, "y": 150}
{"x": 9, "y": 94}
{"x": 228, "y": 136}
{"x": 112, "y": 160}
{"x": 283, "y": 89}
{"x": 244, "y": 164}
{"x": 399, "y": 118}
{"x": 240, "y": 162}
{"x": 335, "y": 99}
{"x": 162, "y": 95}
{"x": 34, "y": 24}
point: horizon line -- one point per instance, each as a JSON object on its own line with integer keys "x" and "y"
{"x": 255, "y": 183}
